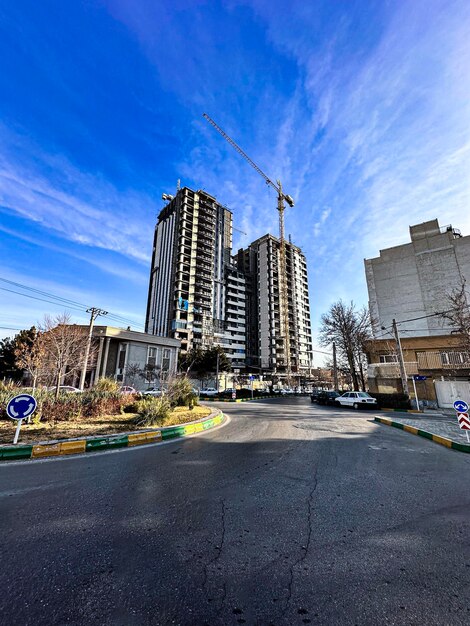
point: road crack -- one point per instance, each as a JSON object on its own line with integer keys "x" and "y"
{"x": 304, "y": 548}
{"x": 211, "y": 562}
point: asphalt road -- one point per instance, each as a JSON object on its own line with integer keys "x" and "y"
{"x": 291, "y": 514}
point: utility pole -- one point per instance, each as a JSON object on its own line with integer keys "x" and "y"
{"x": 94, "y": 312}
{"x": 335, "y": 368}
{"x": 401, "y": 362}
{"x": 217, "y": 373}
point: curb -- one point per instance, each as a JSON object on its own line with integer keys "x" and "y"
{"x": 401, "y": 410}
{"x": 109, "y": 442}
{"x": 443, "y": 441}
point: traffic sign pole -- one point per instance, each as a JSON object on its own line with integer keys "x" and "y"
{"x": 461, "y": 407}
{"x": 17, "y": 432}
{"x": 19, "y": 408}
{"x": 416, "y": 393}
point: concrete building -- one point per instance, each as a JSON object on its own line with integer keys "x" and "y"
{"x": 193, "y": 284}
{"x": 411, "y": 281}
{"x": 260, "y": 263}
{"x": 440, "y": 358}
{"x": 126, "y": 355}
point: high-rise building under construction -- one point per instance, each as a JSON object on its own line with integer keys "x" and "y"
{"x": 195, "y": 293}
{"x": 264, "y": 329}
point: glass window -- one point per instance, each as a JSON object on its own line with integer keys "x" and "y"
{"x": 122, "y": 356}
{"x": 152, "y": 356}
{"x": 166, "y": 360}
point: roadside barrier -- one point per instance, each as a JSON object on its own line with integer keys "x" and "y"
{"x": 443, "y": 441}
{"x": 108, "y": 442}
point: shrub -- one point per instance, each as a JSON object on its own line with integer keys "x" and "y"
{"x": 107, "y": 384}
{"x": 68, "y": 406}
{"x": 152, "y": 411}
{"x": 392, "y": 400}
{"x": 180, "y": 392}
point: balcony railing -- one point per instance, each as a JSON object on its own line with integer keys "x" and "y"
{"x": 390, "y": 370}
{"x": 443, "y": 360}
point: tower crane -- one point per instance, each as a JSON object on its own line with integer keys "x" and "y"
{"x": 282, "y": 198}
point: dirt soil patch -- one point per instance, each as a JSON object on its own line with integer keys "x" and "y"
{"x": 104, "y": 425}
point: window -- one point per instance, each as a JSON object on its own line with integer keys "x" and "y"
{"x": 388, "y": 358}
{"x": 122, "y": 356}
{"x": 152, "y": 356}
{"x": 166, "y": 360}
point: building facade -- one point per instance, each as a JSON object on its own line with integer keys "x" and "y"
{"x": 441, "y": 359}
{"x": 193, "y": 284}
{"x": 260, "y": 263}
{"x": 131, "y": 357}
{"x": 411, "y": 281}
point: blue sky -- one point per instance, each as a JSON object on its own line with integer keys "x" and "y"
{"x": 360, "y": 107}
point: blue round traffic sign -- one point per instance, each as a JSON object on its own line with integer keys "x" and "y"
{"x": 21, "y": 406}
{"x": 461, "y": 406}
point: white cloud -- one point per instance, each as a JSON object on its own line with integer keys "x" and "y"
{"x": 80, "y": 207}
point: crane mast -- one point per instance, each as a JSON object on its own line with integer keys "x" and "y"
{"x": 282, "y": 274}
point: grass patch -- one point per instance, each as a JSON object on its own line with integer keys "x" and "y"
{"x": 86, "y": 427}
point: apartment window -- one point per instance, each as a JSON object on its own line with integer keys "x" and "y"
{"x": 388, "y": 358}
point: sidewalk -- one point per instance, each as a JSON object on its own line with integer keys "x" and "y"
{"x": 435, "y": 423}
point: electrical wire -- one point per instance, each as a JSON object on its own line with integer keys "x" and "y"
{"x": 70, "y": 304}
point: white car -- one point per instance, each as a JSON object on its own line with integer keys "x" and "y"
{"x": 357, "y": 399}
{"x": 153, "y": 391}
{"x": 209, "y": 391}
{"x": 65, "y": 389}
{"x": 127, "y": 390}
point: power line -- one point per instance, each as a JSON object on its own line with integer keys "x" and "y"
{"x": 71, "y": 304}
{"x": 413, "y": 319}
{"x": 26, "y": 295}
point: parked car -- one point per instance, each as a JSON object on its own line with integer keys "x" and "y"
{"x": 209, "y": 391}
{"x": 287, "y": 392}
{"x": 126, "y": 389}
{"x": 66, "y": 389}
{"x": 314, "y": 395}
{"x": 357, "y": 399}
{"x": 156, "y": 392}
{"x": 328, "y": 398}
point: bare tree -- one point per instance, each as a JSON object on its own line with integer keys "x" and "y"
{"x": 349, "y": 329}
{"x": 64, "y": 345}
{"x": 458, "y": 313}
{"x": 150, "y": 373}
{"x": 132, "y": 371}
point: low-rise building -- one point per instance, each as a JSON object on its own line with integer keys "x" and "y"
{"x": 440, "y": 358}
{"x": 131, "y": 357}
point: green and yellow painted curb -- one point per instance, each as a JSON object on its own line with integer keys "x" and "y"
{"x": 443, "y": 441}
{"x": 108, "y": 442}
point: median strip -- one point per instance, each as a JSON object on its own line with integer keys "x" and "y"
{"x": 109, "y": 442}
{"x": 443, "y": 441}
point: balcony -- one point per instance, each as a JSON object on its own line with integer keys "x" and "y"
{"x": 443, "y": 360}
{"x": 390, "y": 370}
